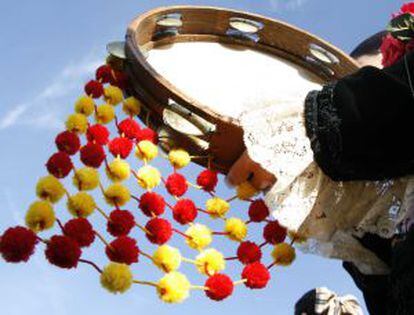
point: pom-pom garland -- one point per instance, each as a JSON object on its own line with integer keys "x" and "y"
{"x": 68, "y": 142}
{"x": 80, "y": 230}
{"x": 59, "y": 165}
{"x": 63, "y": 252}
{"x": 120, "y": 222}
{"x": 176, "y": 185}
{"x": 18, "y": 244}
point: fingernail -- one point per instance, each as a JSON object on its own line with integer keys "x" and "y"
{"x": 265, "y": 185}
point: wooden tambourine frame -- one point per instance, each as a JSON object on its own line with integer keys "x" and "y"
{"x": 221, "y": 137}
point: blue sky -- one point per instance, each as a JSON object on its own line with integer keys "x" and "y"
{"x": 49, "y": 48}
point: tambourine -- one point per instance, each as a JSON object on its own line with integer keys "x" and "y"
{"x": 194, "y": 68}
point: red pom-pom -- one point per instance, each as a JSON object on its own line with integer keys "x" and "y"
{"x": 129, "y": 127}
{"x": 123, "y": 250}
{"x": 274, "y": 233}
{"x": 147, "y": 134}
{"x": 98, "y": 134}
{"x": 92, "y": 155}
{"x": 258, "y": 211}
{"x": 94, "y": 89}
{"x": 62, "y": 251}
{"x": 104, "y": 74}
{"x": 17, "y": 244}
{"x": 59, "y": 165}
{"x": 408, "y": 8}
{"x": 160, "y": 231}
{"x": 249, "y": 252}
{"x": 256, "y": 275}
{"x": 120, "y": 146}
{"x": 119, "y": 79}
{"x": 185, "y": 211}
{"x": 219, "y": 287}
{"x": 152, "y": 204}
{"x": 80, "y": 230}
{"x": 176, "y": 184}
{"x": 120, "y": 222}
{"x": 207, "y": 179}
{"x": 68, "y": 142}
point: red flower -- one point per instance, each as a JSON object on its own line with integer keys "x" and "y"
{"x": 120, "y": 222}
{"x": 120, "y": 146}
{"x": 68, "y": 142}
{"x": 208, "y": 180}
{"x": 185, "y": 211}
{"x": 62, "y": 251}
{"x": 147, "y": 134}
{"x": 59, "y": 165}
{"x": 248, "y": 252}
{"x": 256, "y": 274}
{"x": 94, "y": 89}
{"x": 92, "y": 155}
{"x": 17, "y": 244}
{"x": 80, "y": 230}
{"x": 274, "y": 233}
{"x": 129, "y": 127}
{"x": 104, "y": 74}
{"x": 98, "y": 134}
{"x": 219, "y": 287}
{"x": 392, "y": 50}
{"x": 160, "y": 231}
{"x": 119, "y": 79}
{"x": 152, "y": 204}
{"x": 176, "y": 184}
{"x": 123, "y": 250}
{"x": 407, "y": 8}
{"x": 258, "y": 211}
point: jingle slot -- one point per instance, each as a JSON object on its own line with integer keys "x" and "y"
{"x": 116, "y": 49}
{"x": 168, "y": 25}
{"x": 322, "y": 54}
{"x": 245, "y": 29}
{"x": 323, "y": 68}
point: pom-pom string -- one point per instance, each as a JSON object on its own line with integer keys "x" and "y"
{"x": 199, "y": 287}
{"x": 182, "y": 234}
{"x": 91, "y": 264}
{"x": 263, "y": 244}
{"x": 232, "y": 198}
{"x": 148, "y": 283}
{"x": 220, "y": 233}
{"x": 231, "y": 258}
{"x": 239, "y": 282}
{"x": 102, "y": 239}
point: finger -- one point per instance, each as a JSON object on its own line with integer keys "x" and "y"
{"x": 240, "y": 170}
{"x": 262, "y": 179}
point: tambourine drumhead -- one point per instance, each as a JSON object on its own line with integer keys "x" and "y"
{"x": 230, "y": 79}
{"x": 196, "y": 69}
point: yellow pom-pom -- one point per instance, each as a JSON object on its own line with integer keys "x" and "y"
{"x": 77, "y": 123}
{"x": 210, "y": 262}
{"x": 113, "y": 95}
{"x": 50, "y": 188}
{"x": 245, "y": 191}
{"x": 86, "y": 178}
{"x": 217, "y": 207}
{"x": 179, "y": 158}
{"x": 146, "y": 150}
{"x": 117, "y": 195}
{"x": 105, "y": 113}
{"x": 148, "y": 177}
{"x": 118, "y": 170}
{"x": 131, "y": 106}
{"x": 236, "y": 229}
{"x": 200, "y": 236}
{"x": 85, "y": 105}
{"x": 40, "y": 216}
{"x": 174, "y": 287}
{"x": 167, "y": 258}
{"x": 283, "y": 254}
{"x": 81, "y": 205}
{"x": 116, "y": 278}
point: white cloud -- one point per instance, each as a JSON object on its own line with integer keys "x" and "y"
{"x": 290, "y": 5}
{"x": 47, "y": 107}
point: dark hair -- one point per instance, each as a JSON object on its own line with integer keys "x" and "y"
{"x": 370, "y": 46}
{"x": 306, "y": 304}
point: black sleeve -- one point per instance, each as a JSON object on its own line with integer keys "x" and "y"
{"x": 362, "y": 126}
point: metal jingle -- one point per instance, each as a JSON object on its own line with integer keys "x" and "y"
{"x": 116, "y": 49}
